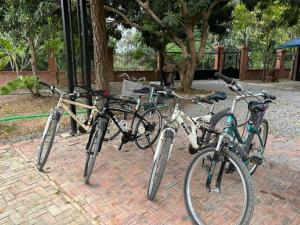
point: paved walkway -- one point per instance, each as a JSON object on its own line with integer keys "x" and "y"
{"x": 29, "y": 197}
{"x": 117, "y": 194}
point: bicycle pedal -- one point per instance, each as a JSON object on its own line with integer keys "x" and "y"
{"x": 256, "y": 160}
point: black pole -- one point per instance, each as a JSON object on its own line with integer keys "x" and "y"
{"x": 80, "y": 41}
{"x": 86, "y": 61}
{"x": 72, "y": 43}
{"x": 65, "y": 5}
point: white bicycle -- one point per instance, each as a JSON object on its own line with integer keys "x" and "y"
{"x": 199, "y": 131}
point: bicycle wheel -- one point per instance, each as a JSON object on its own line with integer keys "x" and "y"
{"x": 256, "y": 149}
{"x": 119, "y": 111}
{"x": 47, "y": 139}
{"x": 148, "y": 128}
{"x": 213, "y": 195}
{"x": 95, "y": 148}
{"x": 159, "y": 166}
{"x": 165, "y": 104}
{"x": 217, "y": 124}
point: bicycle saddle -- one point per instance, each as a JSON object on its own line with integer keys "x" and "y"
{"x": 217, "y": 96}
{"x": 144, "y": 90}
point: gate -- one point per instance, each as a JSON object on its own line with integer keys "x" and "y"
{"x": 231, "y": 63}
{"x": 228, "y": 62}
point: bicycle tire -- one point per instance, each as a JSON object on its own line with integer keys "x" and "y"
{"x": 94, "y": 148}
{"x": 145, "y": 126}
{"x": 165, "y": 104}
{"x": 247, "y": 183}
{"x": 47, "y": 139}
{"x": 265, "y": 138}
{"x": 158, "y": 168}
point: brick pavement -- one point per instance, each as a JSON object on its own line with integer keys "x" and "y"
{"x": 28, "y": 197}
{"x": 117, "y": 194}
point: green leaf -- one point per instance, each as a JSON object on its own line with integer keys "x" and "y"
{"x": 3, "y": 62}
{"x": 12, "y": 86}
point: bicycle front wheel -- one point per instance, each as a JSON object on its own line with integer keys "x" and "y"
{"x": 94, "y": 148}
{"x": 216, "y": 195}
{"x": 47, "y": 139}
{"x": 159, "y": 166}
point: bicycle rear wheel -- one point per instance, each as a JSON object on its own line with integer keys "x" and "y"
{"x": 94, "y": 148}
{"x": 119, "y": 111}
{"x": 159, "y": 166}
{"x": 213, "y": 195}
{"x": 47, "y": 139}
{"x": 165, "y": 104}
{"x": 148, "y": 128}
{"x": 256, "y": 147}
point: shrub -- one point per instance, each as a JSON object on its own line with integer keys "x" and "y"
{"x": 29, "y": 82}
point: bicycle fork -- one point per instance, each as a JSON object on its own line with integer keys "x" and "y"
{"x": 166, "y": 133}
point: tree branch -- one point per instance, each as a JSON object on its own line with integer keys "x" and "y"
{"x": 184, "y": 8}
{"x": 205, "y": 16}
{"x": 145, "y": 6}
{"x": 125, "y": 18}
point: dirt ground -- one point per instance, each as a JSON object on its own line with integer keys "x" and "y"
{"x": 24, "y": 104}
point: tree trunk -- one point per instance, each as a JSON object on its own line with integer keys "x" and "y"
{"x": 187, "y": 71}
{"x": 33, "y": 56}
{"x": 99, "y": 41}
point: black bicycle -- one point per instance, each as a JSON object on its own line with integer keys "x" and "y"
{"x": 143, "y": 127}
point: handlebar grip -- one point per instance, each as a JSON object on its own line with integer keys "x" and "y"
{"x": 228, "y": 80}
{"x": 273, "y": 97}
{"x": 45, "y": 84}
{"x": 121, "y": 100}
{"x": 157, "y": 87}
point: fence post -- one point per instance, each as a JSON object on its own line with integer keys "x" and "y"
{"x": 243, "y": 63}
{"x": 280, "y": 61}
{"x": 218, "y": 65}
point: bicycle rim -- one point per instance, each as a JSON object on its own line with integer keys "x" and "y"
{"x": 226, "y": 207}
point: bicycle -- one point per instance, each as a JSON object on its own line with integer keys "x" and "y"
{"x": 204, "y": 124}
{"x": 158, "y": 98}
{"x": 216, "y": 165}
{"x": 63, "y": 104}
{"x": 155, "y": 99}
{"x": 143, "y": 128}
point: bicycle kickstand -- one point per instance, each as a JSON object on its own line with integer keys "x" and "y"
{"x": 121, "y": 145}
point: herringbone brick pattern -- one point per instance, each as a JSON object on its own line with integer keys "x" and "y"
{"x": 27, "y": 197}
{"x": 117, "y": 194}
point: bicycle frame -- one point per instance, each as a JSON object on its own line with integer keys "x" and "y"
{"x": 63, "y": 104}
{"x": 188, "y": 124}
{"x": 108, "y": 111}
{"x": 231, "y": 131}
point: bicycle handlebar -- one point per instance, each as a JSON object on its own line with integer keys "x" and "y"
{"x": 233, "y": 85}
